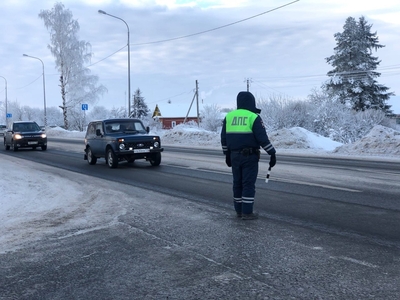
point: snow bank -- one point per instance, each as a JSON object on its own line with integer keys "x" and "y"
{"x": 379, "y": 141}
{"x": 300, "y": 138}
{"x": 182, "y": 135}
{"x": 61, "y": 132}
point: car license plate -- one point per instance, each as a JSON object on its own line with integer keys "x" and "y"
{"x": 32, "y": 143}
{"x": 141, "y": 150}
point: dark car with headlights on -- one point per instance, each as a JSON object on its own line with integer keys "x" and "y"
{"x": 25, "y": 134}
{"x": 119, "y": 140}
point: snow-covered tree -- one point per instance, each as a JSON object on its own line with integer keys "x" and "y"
{"x": 3, "y": 120}
{"x": 139, "y": 107}
{"x": 98, "y": 113}
{"x": 211, "y": 117}
{"x": 76, "y": 83}
{"x": 33, "y": 114}
{"x": 54, "y": 116}
{"x": 279, "y": 112}
{"x": 118, "y": 112}
{"x": 340, "y": 123}
{"x": 17, "y": 111}
{"x": 352, "y": 81}
{"x": 153, "y": 122}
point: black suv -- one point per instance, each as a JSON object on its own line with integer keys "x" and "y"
{"x": 121, "y": 140}
{"x": 25, "y": 134}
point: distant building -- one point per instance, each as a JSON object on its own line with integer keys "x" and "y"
{"x": 169, "y": 122}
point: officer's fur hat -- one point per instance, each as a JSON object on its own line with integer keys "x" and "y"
{"x": 246, "y": 100}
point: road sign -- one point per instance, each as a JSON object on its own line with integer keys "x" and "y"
{"x": 9, "y": 115}
{"x": 85, "y": 107}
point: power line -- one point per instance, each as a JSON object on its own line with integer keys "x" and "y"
{"x": 216, "y": 28}
{"x": 168, "y": 98}
{"x": 198, "y": 33}
{"x": 106, "y": 57}
{"x": 29, "y": 83}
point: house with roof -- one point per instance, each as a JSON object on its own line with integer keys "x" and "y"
{"x": 174, "y": 116}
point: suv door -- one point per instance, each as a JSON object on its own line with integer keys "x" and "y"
{"x": 94, "y": 141}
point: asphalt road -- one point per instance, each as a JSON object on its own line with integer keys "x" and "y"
{"x": 329, "y": 229}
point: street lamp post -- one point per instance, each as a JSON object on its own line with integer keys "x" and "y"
{"x": 6, "y": 99}
{"x": 129, "y": 61}
{"x": 44, "y": 89}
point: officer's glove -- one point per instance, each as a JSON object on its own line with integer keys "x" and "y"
{"x": 272, "y": 161}
{"x": 228, "y": 159}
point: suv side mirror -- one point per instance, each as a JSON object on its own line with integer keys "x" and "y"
{"x": 147, "y": 129}
{"x": 98, "y": 132}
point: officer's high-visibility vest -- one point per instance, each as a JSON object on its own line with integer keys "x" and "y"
{"x": 240, "y": 121}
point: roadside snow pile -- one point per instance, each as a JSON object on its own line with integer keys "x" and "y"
{"x": 61, "y": 132}
{"x": 379, "y": 141}
{"x": 300, "y": 138}
{"x": 191, "y": 136}
{"x": 295, "y": 138}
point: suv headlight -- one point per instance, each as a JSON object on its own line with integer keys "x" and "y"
{"x": 156, "y": 144}
{"x": 43, "y": 135}
{"x": 17, "y": 136}
{"x": 122, "y": 146}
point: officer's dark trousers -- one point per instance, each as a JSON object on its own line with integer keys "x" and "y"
{"x": 244, "y": 171}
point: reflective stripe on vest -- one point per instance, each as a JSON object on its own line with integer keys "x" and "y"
{"x": 240, "y": 121}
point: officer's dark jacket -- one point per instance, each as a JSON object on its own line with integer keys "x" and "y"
{"x": 253, "y": 136}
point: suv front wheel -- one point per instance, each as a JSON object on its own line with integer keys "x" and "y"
{"x": 91, "y": 159}
{"x": 6, "y": 146}
{"x": 112, "y": 159}
{"x": 14, "y": 146}
{"x": 155, "y": 159}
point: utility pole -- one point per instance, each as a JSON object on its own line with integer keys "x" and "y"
{"x": 196, "y": 95}
{"x": 197, "y": 100}
{"x": 248, "y": 84}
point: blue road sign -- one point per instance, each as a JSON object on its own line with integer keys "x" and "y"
{"x": 85, "y": 107}
{"x": 9, "y": 115}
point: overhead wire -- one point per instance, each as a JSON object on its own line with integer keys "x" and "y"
{"x": 187, "y": 36}
{"x": 216, "y": 28}
{"x": 20, "y": 88}
{"x": 198, "y": 33}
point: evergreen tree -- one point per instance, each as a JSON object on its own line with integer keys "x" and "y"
{"x": 352, "y": 81}
{"x": 77, "y": 85}
{"x": 139, "y": 107}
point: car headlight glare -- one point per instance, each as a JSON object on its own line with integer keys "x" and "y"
{"x": 43, "y": 135}
{"x": 17, "y": 136}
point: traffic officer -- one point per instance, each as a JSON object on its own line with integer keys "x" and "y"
{"x": 242, "y": 135}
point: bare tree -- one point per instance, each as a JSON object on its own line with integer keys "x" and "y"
{"x": 76, "y": 83}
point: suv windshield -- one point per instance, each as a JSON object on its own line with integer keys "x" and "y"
{"x": 31, "y": 126}
{"x": 125, "y": 126}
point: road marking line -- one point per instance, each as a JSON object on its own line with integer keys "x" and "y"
{"x": 356, "y": 261}
{"x": 274, "y": 179}
{"x": 314, "y": 184}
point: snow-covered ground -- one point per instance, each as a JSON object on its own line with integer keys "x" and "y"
{"x": 380, "y": 142}
{"x": 46, "y": 195}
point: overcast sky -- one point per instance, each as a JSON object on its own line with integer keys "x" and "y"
{"x": 281, "y": 51}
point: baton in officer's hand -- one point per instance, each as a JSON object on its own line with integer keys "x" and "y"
{"x": 268, "y": 173}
